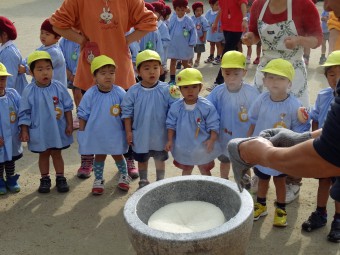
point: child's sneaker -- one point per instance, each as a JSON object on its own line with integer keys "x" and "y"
{"x": 196, "y": 64}
{"x": 61, "y": 184}
{"x": 256, "y": 61}
{"x": 3, "y": 189}
{"x": 124, "y": 182}
{"x": 84, "y": 172}
{"x": 322, "y": 60}
{"x": 210, "y": 59}
{"x": 12, "y": 184}
{"x": 217, "y": 61}
{"x": 98, "y": 187}
{"x": 315, "y": 220}
{"x": 45, "y": 185}
{"x": 248, "y": 60}
{"x": 334, "y": 234}
{"x": 132, "y": 170}
{"x": 259, "y": 211}
{"x": 142, "y": 183}
{"x": 280, "y": 218}
{"x": 179, "y": 65}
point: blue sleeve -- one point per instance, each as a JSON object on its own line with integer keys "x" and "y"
{"x": 212, "y": 120}
{"x": 193, "y": 34}
{"x": 212, "y": 97}
{"x": 171, "y": 120}
{"x": 206, "y": 25}
{"x": 25, "y": 108}
{"x": 255, "y": 110}
{"x": 84, "y": 108}
{"x": 159, "y": 46}
{"x": 128, "y": 105}
{"x": 314, "y": 114}
{"x": 67, "y": 100}
{"x": 12, "y": 64}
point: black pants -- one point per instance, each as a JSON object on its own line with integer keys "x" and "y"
{"x": 231, "y": 41}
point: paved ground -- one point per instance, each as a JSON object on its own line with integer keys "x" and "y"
{"x": 79, "y": 223}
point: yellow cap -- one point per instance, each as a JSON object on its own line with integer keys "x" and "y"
{"x": 147, "y": 55}
{"x": 101, "y": 61}
{"x": 333, "y": 59}
{"x": 3, "y": 70}
{"x": 189, "y": 76}
{"x": 233, "y": 59}
{"x": 37, "y": 55}
{"x": 280, "y": 67}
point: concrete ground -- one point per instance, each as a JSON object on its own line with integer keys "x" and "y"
{"x": 80, "y": 223}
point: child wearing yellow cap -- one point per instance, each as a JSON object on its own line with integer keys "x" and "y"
{"x": 10, "y": 145}
{"x": 276, "y": 108}
{"x": 318, "y": 114}
{"x": 45, "y": 118}
{"x": 232, "y": 101}
{"x": 193, "y": 125}
{"x": 99, "y": 113}
{"x": 144, "y": 108}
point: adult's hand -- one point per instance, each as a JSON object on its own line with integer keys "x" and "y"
{"x": 248, "y": 38}
{"x": 291, "y": 42}
{"x": 282, "y": 137}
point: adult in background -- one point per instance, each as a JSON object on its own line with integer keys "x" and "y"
{"x": 285, "y": 29}
{"x": 102, "y": 26}
{"x": 234, "y": 21}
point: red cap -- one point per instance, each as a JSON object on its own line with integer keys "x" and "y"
{"x": 179, "y": 3}
{"x": 197, "y": 5}
{"x": 149, "y": 7}
{"x": 7, "y": 26}
{"x": 159, "y": 7}
{"x": 47, "y": 26}
{"x": 212, "y": 1}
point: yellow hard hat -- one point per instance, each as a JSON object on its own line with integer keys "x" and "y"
{"x": 280, "y": 67}
{"x": 37, "y": 55}
{"x": 3, "y": 70}
{"x": 333, "y": 59}
{"x": 147, "y": 55}
{"x": 233, "y": 59}
{"x": 101, "y": 61}
{"x": 189, "y": 76}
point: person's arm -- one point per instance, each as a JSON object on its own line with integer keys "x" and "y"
{"x": 169, "y": 144}
{"x": 82, "y": 124}
{"x": 71, "y": 35}
{"x": 215, "y": 24}
{"x": 209, "y": 144}
{"x": 69, "y": 126}
{"x": 24, "y": 134}
{"x": 251, "y": 130}
{"x": 315, "y": 125}
{"x": 128, "y": 130}
{"x": 244, "y": 15}
{"x": 292, "y": 42}
{"x": 135, "y": 36}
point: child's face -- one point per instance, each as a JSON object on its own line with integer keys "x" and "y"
{"x": 48, "y": 38}
{"x": 277, "y": 85}
{"x": 333, "y": 75}
{"x": 215, "y": 6}
{"x": 233, "y": 78}
{"x": 190, "y": 93}
{"x": 180, "y": 11}
{"x": 105, "y": 77}
{"x": 3, "y": 80}
{"x": 150, "y": 72}
{"x": 198, "y": 12}
{"x": 42, "y": 72}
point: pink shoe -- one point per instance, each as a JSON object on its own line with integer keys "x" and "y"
{"x": 84, "y": 172}
{"x": 75, "y": 123}
{"x": 132, "y": 170}
{"x": 256, "y": 61}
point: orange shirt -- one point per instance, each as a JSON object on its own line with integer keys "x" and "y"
{"x": 105, "y": 22}
{"x": 334, "y": 23}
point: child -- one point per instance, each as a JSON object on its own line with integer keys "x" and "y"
{"x": 144, "y": 108}
{"x": 71, "y": 51}
{"x": 273, "y": 109}
{"x": 232, "y": 102}
{"x": 318, "y": 114}
{"x": 215, "y": 39}
{"x": 202, "y": 27}
{"x": 183, "y": 38}
{"x": 325, "y": 37}
{"x": 11, "y": 56}
{"x": 45, "y": 118}
{"x": 50, "y": 39}
{"x": 10, "y": 145}
{"x": 99, "y": 113}
{"x": 193, "y": 126}
{"x": 166, "y": 14}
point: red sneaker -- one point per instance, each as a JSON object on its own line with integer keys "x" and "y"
{"x": 84, "y": 172}
{"x": 124, "y": 182}
{"x": 256, "y": 61}
{"x": 98, "y": 187}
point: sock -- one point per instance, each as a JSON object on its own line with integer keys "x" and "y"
{"x": 337, "y": 217}
{"x": 122, "y": 167}
{"x": 172, "y": 77}
{"x": 59, "y": 174}
{"x": 87, "y": 160}
{"x": 10, "y": 168}
{"x": 281, "y": 206}
{"x": 322, "y": 211}
{"x": 1, "y": 171}
{"x": 98, "y": 169}
{"x": 211, "y": 56}
{"x": 262, "y": 201}
{"x": 45, "y": 175}
{"x": 160, "y": 174}
{"x": 143, "y": 174}
{"x": 322, "y": 55}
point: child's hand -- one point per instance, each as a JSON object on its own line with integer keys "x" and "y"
{"x": 69, "y": 130}
{"x": 209, "y": 144}
{"x": 248, "y": 38}
{"x": 2, "y": 142}
{"x": 168, "y": 146}
{"x": 129, "y": 138}
{"x": 202, "y": 38}
{"x": 21, "y": 69}
{"x": 24, "y": 136}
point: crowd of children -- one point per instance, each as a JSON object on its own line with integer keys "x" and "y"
{"x": 150, "y": 116}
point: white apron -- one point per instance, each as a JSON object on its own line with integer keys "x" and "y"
{"x": 273, "y": 47}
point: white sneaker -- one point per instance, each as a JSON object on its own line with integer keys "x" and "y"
{"x": 124, "y": 182}
{"x": 254, "y": 183}
{"x": 292, "y": 192}
{"x": 98, "y": 187}
{"x": 248, "y": 60}
{"x": 211, "y": 88}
